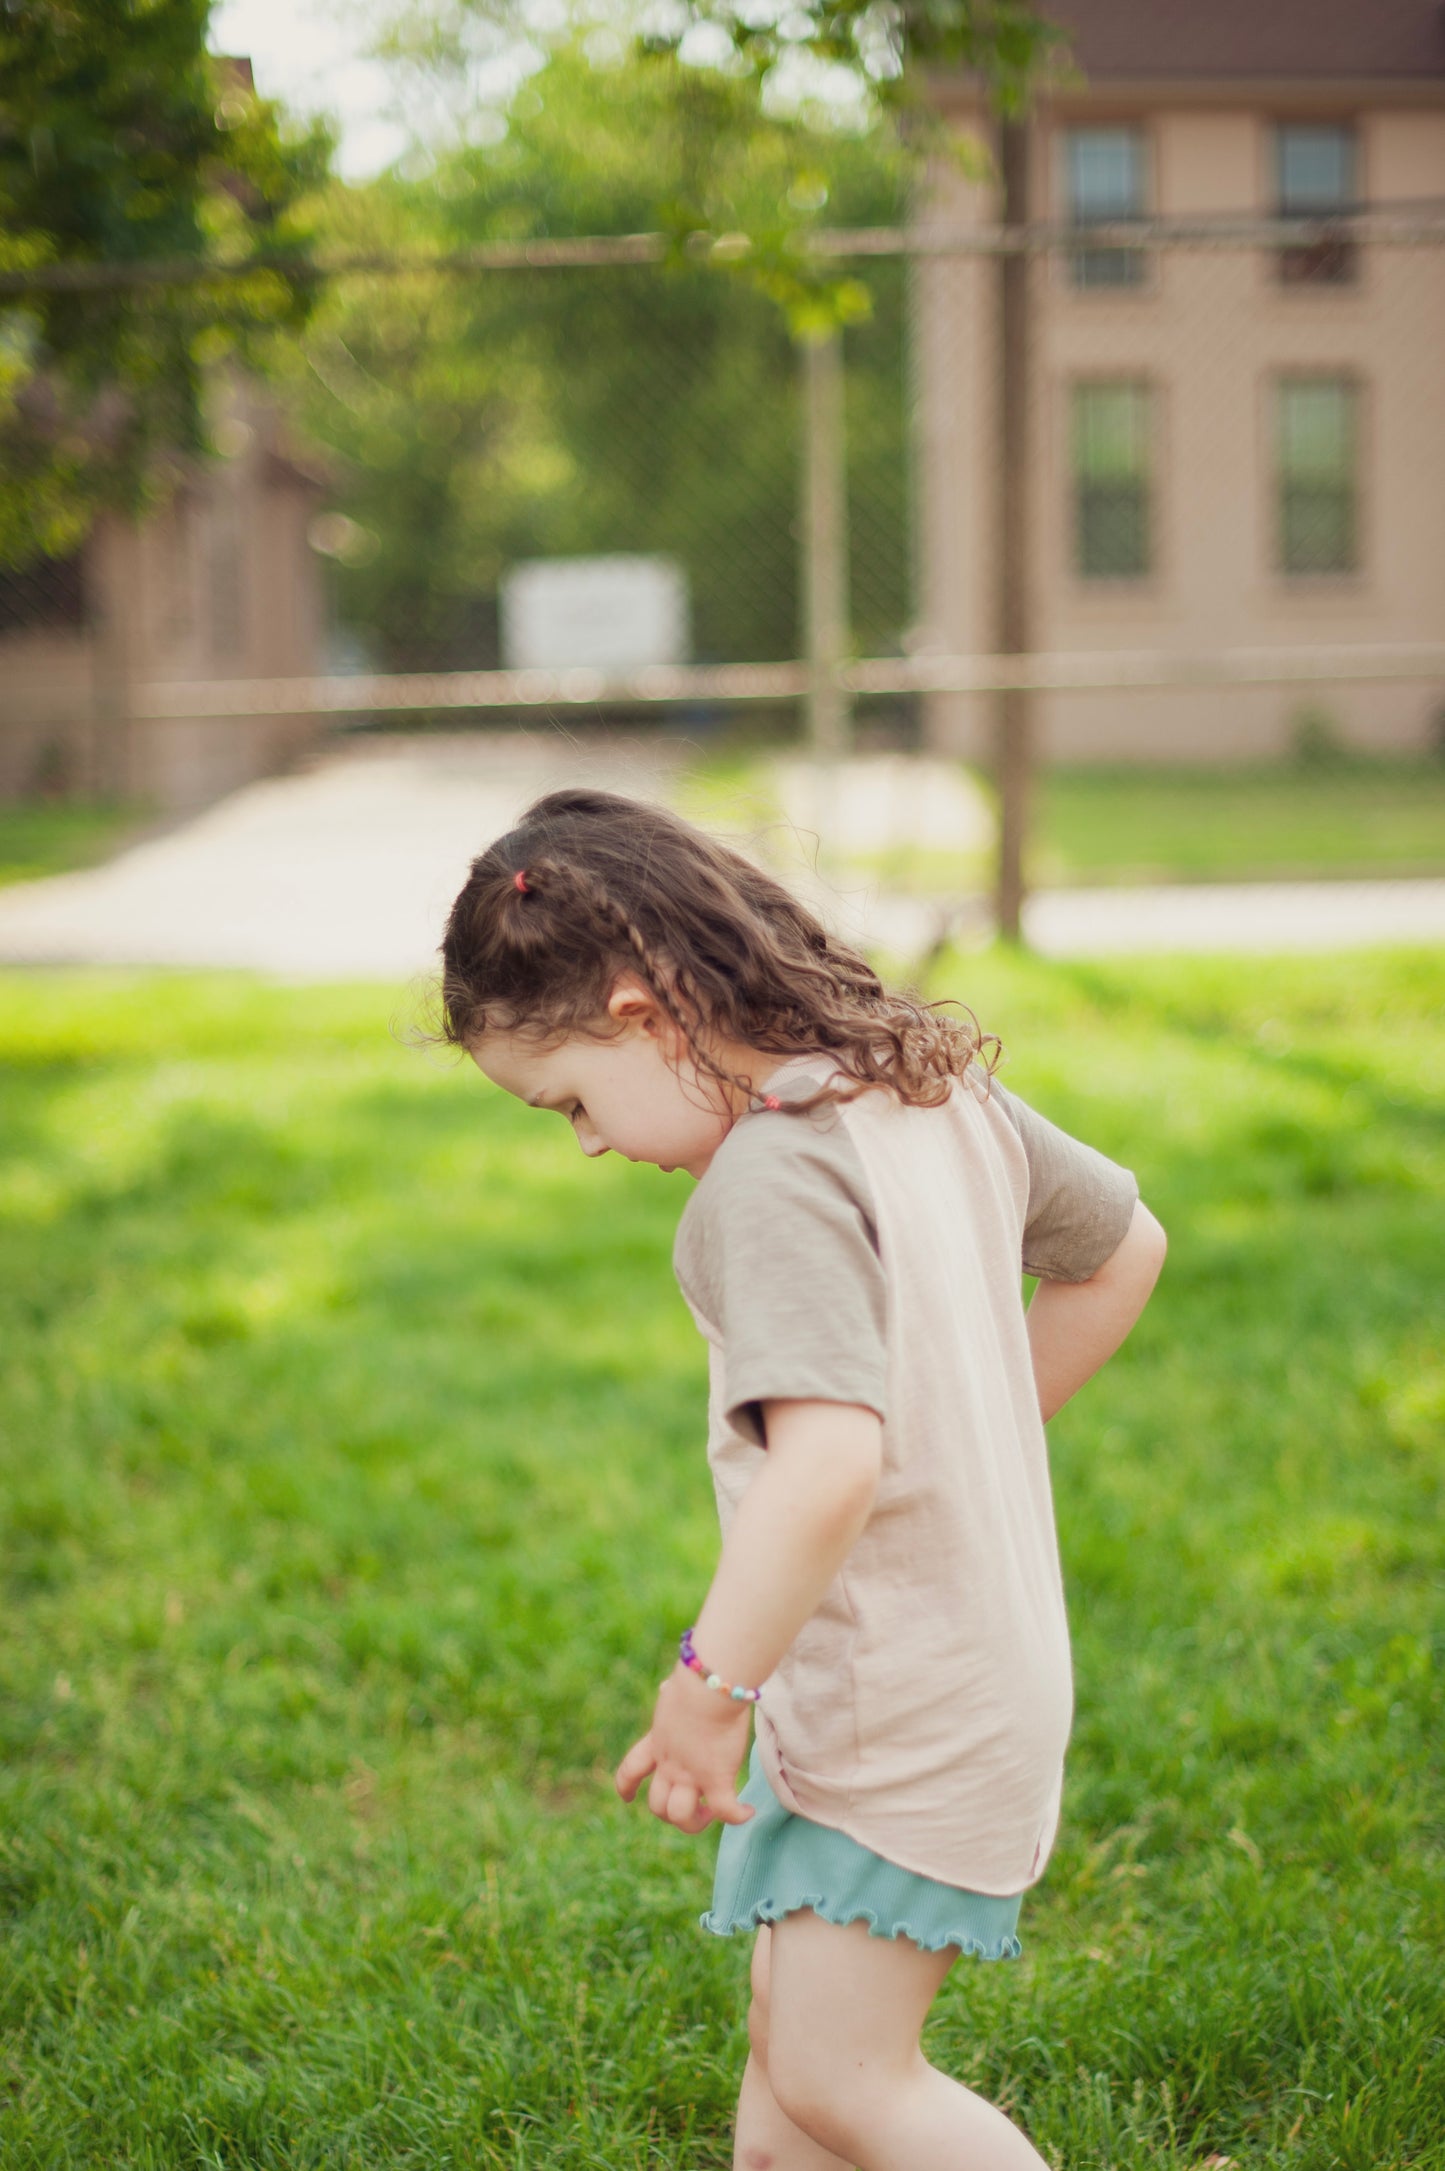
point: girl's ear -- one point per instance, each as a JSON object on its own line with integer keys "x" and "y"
{"x": 632, "y": 1002}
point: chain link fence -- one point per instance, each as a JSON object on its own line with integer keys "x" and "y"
{"x": 1184, "y": 497}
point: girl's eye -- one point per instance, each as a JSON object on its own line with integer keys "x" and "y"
{"x": 574, "y": 1111}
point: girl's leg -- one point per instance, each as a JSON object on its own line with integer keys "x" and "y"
{"x": 765, "y": 2139}
{"x": 844, "y": 2066}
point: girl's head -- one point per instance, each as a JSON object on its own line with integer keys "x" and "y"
{"x": 607, "y": 959}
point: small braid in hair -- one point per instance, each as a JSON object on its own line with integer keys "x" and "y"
{"x": 590, "y": 883}
{"x": 662, "y": 981}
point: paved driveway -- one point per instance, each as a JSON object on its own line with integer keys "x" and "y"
{"x": 346, "y": 871}
{"x": 343, "y": 872}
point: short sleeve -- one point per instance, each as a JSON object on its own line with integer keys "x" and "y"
{"x": 778, "y": 1251}
{"x": 1080, "y": 1202}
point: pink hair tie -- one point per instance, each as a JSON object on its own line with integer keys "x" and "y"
{"x": 520, "y": 881}
{"x": 772, "y": 1101}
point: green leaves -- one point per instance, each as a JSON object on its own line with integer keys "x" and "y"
{"x": 479, "y": 421}
{"x": 887, "y": 46}
{"x": 122, "y": 141}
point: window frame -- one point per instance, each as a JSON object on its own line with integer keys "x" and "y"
{"x": 1144, "y": 279}
{"x": 1084, "y": 582}
{"x": 1299, "y": 579}
{"x": 1307, "y": 267}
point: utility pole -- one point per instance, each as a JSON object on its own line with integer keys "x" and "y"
{"x": 824, "y": 527}
{"x": 1013, "y": 754}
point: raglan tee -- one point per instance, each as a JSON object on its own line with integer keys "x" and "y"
{"x": 867, "y": 1252}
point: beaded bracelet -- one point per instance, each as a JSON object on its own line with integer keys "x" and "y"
{"x": 713, "y": 1680}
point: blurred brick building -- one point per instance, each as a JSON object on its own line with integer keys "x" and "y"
{"x": 218, "y": 582}
{"x": 1228, "y": 447}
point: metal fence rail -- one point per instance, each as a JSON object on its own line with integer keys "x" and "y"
{"x": 1419, "y": 225}
{"x": 1109, "y": 670}
{"x": 1197, "y": 462}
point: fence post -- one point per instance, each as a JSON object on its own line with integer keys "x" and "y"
{"x": 1013, "y": 756}
{"x": 111, "y": 752}
{"x": 824, "y": 539}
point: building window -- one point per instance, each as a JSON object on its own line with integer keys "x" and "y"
{"x": 48, "y": 592}
{"x": 1110, "y": 454}
{"x": 1315, "y": 179}
{"x": 1104, "y": 180}
{"x": 1316, "y": 441}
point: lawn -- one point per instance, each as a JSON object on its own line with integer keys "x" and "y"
{"x": 354, "y": 1496}
{"x": 50, "y": 836}
{"x": 1347, "y": 818}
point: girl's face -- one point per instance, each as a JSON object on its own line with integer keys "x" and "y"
{"x": 638, "y": 1094}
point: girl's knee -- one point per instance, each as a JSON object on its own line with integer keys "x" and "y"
{"x": 834, "y": 2100}
{"x": 808, "y": 2097}
{"x": 810, "y": 2089}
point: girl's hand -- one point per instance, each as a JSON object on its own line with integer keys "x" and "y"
{"x": 692, "y": 1749}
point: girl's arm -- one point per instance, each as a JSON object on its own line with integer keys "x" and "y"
{"x": 801, "y": 1517}
{"x": 1075, "y": 1327}
{"x": 794, "y": 1527}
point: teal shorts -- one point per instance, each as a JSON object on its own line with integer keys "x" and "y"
{"x": 778, "y": 1862}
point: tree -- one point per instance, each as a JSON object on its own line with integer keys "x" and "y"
{"x": 887, "y": 46}
{"x": 880, "y": 54}
{"x": 548, "y": 413}
{"x": 122, "y": 140}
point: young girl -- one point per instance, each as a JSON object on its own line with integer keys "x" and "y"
{"x": 887, "y": 1603}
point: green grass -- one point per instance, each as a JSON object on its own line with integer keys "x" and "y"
{"x": 51, "y": 836}
{"x": 354, "y": 1493}
{"x": 1348, "y": 818}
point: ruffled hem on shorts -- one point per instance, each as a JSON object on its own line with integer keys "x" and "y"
{"x": 779, "y": 1862}
{"x": 932, "y": 1940}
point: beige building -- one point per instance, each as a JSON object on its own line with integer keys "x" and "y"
{"x": 220, "y": 582}
{"x": 1229, "y": 448}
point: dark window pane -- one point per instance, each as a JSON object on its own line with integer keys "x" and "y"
{"x": 1107, "y": 267}
{"x": 47, "y": 592}
{"x": 1329, "y": 262}
{"x": 1112, "y": 540}
{"x": 1317, "y": 529}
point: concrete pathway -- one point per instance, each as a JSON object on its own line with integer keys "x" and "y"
{"x": 346, "y": 871}
{"x": 342, "y": 872}
{"x": 1237, "y": 916}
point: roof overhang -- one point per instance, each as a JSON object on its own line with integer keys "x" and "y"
{"x": 955, "y": 93}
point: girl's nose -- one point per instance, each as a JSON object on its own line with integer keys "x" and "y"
{"x": 588, "y": 1140}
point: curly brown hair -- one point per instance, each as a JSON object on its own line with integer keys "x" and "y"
{"x": 614, "y": 884}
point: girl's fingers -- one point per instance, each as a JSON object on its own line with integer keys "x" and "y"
{"x": 682, "y": 1806}
{"x": 635, "y": 1766}
{"x": 678, "y": 1801}
{"x": 730, "y": 1810}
